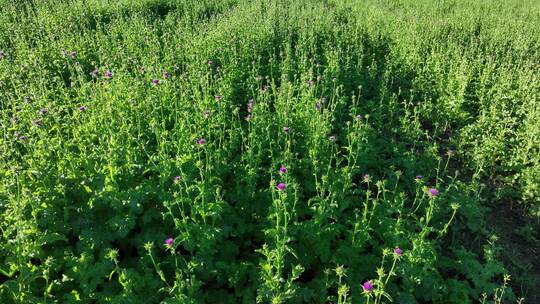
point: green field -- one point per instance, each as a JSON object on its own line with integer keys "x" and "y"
{"x": 269, "y": 151}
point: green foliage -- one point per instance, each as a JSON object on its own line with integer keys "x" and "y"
{"x": 354, "y": 99}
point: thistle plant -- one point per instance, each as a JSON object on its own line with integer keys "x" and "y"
{"x": 161, "y": 151}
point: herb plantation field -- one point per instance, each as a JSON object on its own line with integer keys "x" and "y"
{"x": 269, "y": 151}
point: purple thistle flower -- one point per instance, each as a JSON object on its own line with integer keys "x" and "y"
{"x": 43, "y": 111}
{"x": 367, "y": 178}
{"x": 398, "y": 251}
{"x": 433, "y": 192}
{"x": 201, "y": 141}
{"x": 82, "y": 108}
{"x": 177, "y": 178}
{"x": 367, "y": 287}
{"x": 94, "y": 72}
{"x": 155, "y": 81}
{"x": 318, "y": 105}
{"x": 210, "y": 62}
{"x": 73, "y": 54}
{"x": 281, "y": 186}
{"x": 419, "y": 177}
{"x": 169, "y": 242}
{"x": 166, "y": 74}
{"x": 108, "y": 74}
{"x": 217, "y": 97}
{"x": 282, "y": 169}
{"x": 286, "y": 130}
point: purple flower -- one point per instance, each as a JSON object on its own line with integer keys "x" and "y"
{"x": 108, "y": 74}
{"x": 281, "y": 186}
{"x": 177, "y": 178}
{"x": 43, "y": 111}
{"x": 169, "y": 242}
{"x": 166, "y": 74}
{"x": 318, "y": 105}
{"x": 210, "y": 62}
{"x": 433, "y": 192}
{"x": 201, "y": 141}
{"x": 286, "y": 130}
{"x": 94, "y": 72}
{"x": 155, "y": 81}
{"x": 217, "y": 97}
{"x": 367, "y": 287}
{"x": 73, "y": 54}
{"x": 418, "y": 178}
{"x": 367, "y": 178}
{"x": 282, "y": 169}
{"x": 398, "y": 251}
{"x": 82, "y": 108}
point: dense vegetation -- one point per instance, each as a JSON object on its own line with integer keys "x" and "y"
{"x": 272, "y": 151}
